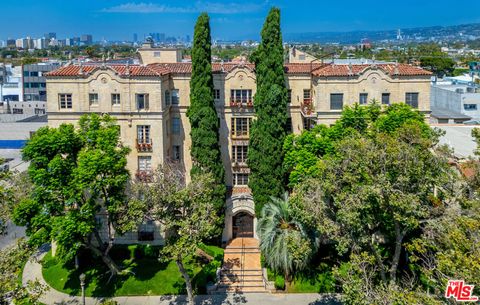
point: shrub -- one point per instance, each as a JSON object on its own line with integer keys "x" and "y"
{"x": 279, "y": 282}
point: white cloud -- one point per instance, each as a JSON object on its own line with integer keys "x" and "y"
{"x": 200, "y": 6}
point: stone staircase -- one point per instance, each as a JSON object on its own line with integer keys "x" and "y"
{"x": 241, "y": 271}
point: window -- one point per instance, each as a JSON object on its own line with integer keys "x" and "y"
{"x": 301, "y": 57}
{"x": 156, "y": 54}
{"x": 386, "y": 98}
{"x": 289, "y": 127}
{"x": 167, "y": 98}
{"x": 34, "y": 73}
{"x": 175, "y": 97}
{"x": 240, "y": 179}
{"x": 65, "y": 101}
{"x": 142, "y": 101}
{"x": 289, "y": 96}
{"x": 26, "y": 73}
{"x": 411, "y": 98}
{"x": 17, "y": 111}
{"x": 146, "y": 231}
{"x": 143, "y": 134}
{"x": 34, "y": 85}
{"x": 176, "y": 153}
{"x": 363, "y": 98}
{"x": 336, "y": 101}
{"x": 240, "y": 96}
{"x": 241, "y": 127}
{"x": 216, "y": 94}
{"x": 309, "y": 123}
{"x": 306, "y": 95}
{"x": 115, "y": 99}
{"x": 239, "y": 153}
{"x": 145, "y": 163}
{"x": 93, "y": 98}
{"x": 176, "y": 125}
{"x": 470, "y": 106}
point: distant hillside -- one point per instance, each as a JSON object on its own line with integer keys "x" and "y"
{"x": 454, "y": 32}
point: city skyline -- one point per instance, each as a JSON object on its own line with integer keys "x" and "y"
{"x": 234, "y": 20}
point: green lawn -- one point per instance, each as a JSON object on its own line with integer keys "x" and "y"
{"x": 318, "y": 280}
{"x": 148, "y": 277}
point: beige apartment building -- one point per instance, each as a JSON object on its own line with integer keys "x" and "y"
{"x": 150, "y": 101}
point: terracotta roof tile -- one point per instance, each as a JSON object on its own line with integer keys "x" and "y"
{"x": 390, "y": 69}
{"x": 317, "y": 69}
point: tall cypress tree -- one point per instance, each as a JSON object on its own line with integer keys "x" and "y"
{"x": 268, "y": 130}
{"x": 205, "y": 150}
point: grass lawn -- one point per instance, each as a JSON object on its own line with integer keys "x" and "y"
{"x": 148, "y": 277}
{"x": 317, "y": 280}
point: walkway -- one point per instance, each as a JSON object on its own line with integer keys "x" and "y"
{"x": 242, "y": 269}
{"x": 33, "y": 271}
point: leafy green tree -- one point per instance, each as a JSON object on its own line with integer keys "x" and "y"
{"x": 202, "y": 114}
{"x": 12, "y": 260}
{"x": 285, "y": 243}
{"x": 186, "y": 211}
{"x": 268, "y": 130}
{"x": 76, "y": 175}
{"x": 439, "y": 65}
{"x": 374, "y": 192}
{"x": 304, "y": 152}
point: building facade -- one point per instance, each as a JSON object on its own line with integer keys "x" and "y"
{"x": 150, "y": 102}
{"x": 457, "y": 102}
{"x": 34, "y": 81}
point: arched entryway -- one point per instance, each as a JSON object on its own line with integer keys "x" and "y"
{"x": 242, "y": 225}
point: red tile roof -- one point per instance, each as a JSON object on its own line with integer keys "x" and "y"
{"x": 390, "y": 69}
{"x": 85, "y": 70}
{"x": 317, "y": 69}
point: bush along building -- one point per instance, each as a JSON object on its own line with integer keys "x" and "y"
{"x": 150, "y": 102}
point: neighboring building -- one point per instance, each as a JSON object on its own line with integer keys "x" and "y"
{"x": 150, "y": 103}
{"x": 34, "y": 82}
{"x": 454, "y": 102}
{"x": 11, "y": 85}
{"x": 86, "y": 39}
{"x": 28, "y": 109}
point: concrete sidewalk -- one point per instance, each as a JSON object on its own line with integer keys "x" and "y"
{"x": 33, "y": 271}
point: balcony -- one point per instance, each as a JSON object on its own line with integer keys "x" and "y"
{"x": 238, "y": 164}
{"x": 144, "y": 175}
{"x": 143, "y": 146}
{"x": 307, "y": 108}
{"x": 241, "y": 103}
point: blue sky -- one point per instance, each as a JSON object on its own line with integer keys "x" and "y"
{"x": 230, "y": 19}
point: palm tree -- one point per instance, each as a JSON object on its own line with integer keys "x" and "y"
{"x": 285, "y": 243}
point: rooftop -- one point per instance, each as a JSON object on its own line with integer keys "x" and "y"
{"x": 316, "y": 69}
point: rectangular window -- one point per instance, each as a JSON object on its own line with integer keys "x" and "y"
{"x": 176, "y": 125}
{"x": 93, "y": 98}
{"x": 216, "y": 94}
{"x": 65, "y": 101}
{"x": 176, "y": 153}
{"x": 142, "y": 101}
{"x": 289, "y": 96}
{"x": 175, "y": 97}
{"x": 167, "y": 98}
{"x": 17, "y": 111}
{"x": 26, "y": 73}
{"x": 309, "y": 123}
{"x": 363, "y": 99}
{"x": 411, "y": 98}
{"x": 470, "y": 106}
{"x": 289, "y": 127}
{"x": 241, "y": 96}
{"x": 34, "y": 85}
{"x": 156, "y": 54}
{"x": 146, "y": 231}
{"x": 143, "y": 134}
{"x": 145, "y": 163}
{"x": 241, "y": 127}
{"x": 336, "y": 101}
{"x": 240, "y": 179}
{"x": 385, "y": 98}
{"x": 239, "y": 153}
{"x": 115, "y": 99}
{"x": 34, "y": 73}
{"x": 306, "y": 95}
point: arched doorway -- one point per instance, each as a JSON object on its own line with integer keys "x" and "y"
{"x": 242, "y": 225}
